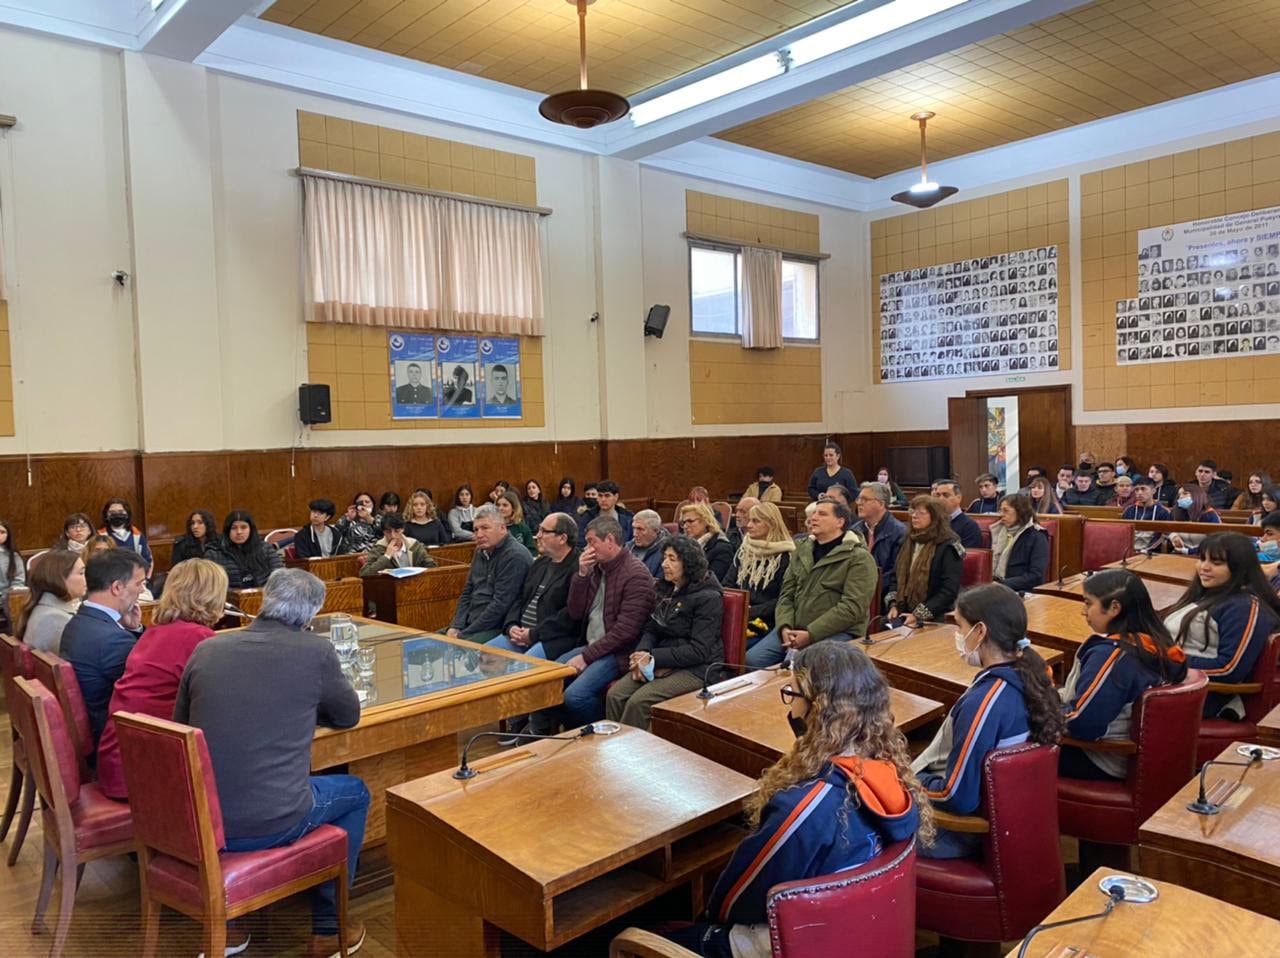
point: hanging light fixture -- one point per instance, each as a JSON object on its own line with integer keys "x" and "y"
{"x": 924, "y": 194}
{"x": 584, "y": 107}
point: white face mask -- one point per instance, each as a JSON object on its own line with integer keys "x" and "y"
{"x": 968, "y": 657}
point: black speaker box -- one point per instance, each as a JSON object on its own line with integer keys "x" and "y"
{"x": 313, "y": 403}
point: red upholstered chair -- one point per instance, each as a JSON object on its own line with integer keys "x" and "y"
{"x": 733, "y": 627}
{"x": 723, "y": 511}
{"x": 1105, "y": 542}
{"x": 289, "y": 552}
{"x": 984, "y": 522}
{"x": 1165, "y": 723}
{"x": 1000, "y": 894}
{"x": 280, "y": 537}
{"x": 80, "y": 824}
{"x": 976, "y": 568}
{"x": 179, "y": 834}
{"x": 673, "y": 528}
{"x": 59, "y": 677}
{"x": 15, "y": 662}
{"x": 1260, "y": 696}
{"x": 873, "y": 904}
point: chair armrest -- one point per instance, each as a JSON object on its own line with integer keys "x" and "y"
{"x": 961, "y": 823}
{"x": 1235, "y": 688}
{"x": 1117, "y": 746}
{"x": 637, "y": 943}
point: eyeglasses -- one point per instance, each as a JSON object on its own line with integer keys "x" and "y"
{"x": 544, "y": 532}
{"x": 788, "y": 694}
{"x": 688, "y": 522}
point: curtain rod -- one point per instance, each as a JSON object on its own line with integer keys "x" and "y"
{"x": 726, "y": 241}
{"x": 7, "y": 121}
{"x": 444, "y": 194}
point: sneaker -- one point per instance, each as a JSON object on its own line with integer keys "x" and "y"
{"x": 326, "y": 946}
{"x": 237, "y": 940}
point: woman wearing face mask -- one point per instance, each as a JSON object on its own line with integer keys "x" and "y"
{"x": 842, "y": 794}
{"x": 1011, "y": 701}
{"x": 117, "y": 522}
{"x": 1223, "y": 621}
{"x": 897, "y": 498}
{"x": 202, "y": 532}
{"x": 248, "y": 559}
{"x": 929, "y": 566}
{"x": 1019, "y": 547}
{"x": 76, "y": 530}
{"x": 1251, "y": 499}
{"x": 359, "y": 528}
{"x": 1127, "y": 467}
{"x": 1192, "y": 505}
{"x": 1129, "y": 652}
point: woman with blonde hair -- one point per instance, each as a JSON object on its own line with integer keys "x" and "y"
{"x": 194, "y": 595}
{"x": 1044, "y": 500}
{"x": 698, "y": 521}
{"x": 761, "y": 564}
{"x": 422, "y": 522}
{"x": 842, "y": 794}
{"x": 509, "y": 505}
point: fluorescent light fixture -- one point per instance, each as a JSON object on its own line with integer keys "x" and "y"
{"x": 864, "y": 27}
{"x": 834, "y": 39}
{"x": 703, "y": 91}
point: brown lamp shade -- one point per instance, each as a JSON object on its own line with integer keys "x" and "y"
{"x": 584, "y": 108}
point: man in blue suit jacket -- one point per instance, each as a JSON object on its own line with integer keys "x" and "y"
{"x": 101, "y": 635}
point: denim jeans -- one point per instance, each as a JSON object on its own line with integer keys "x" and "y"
{"x": 583, "y": 695}
{"x": 535, "y": 651}
{"x": 341, "y": 800}
{"x": 769, "y": 651}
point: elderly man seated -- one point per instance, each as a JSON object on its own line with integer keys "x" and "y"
{"x": 647, "y": 538}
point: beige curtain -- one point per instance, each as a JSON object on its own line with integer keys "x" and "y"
{"x": 761, "y": 298}
{"x": 384, "y": 257}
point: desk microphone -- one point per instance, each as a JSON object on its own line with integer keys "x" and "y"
{"x": 706, "y": 693}
{"x": 1202, "y": 805}
{"x": 237, "y": 612}
{"x": 465, "y": 771}
{"x": 1062, "y": 575}
{"x": 1115, "y": 895}
{"x": 866, "y": 639}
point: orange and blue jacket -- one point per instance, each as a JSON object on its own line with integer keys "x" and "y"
{"x": 1106, "y": 679}
{"x": 801, "y": 835}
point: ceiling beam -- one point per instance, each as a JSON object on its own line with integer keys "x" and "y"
{"x": 91, "y": 21}
{"x": 960, "y": 26}
{"x": 184, "y": 29}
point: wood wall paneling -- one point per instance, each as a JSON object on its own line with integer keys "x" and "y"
{"x": 60, "y": 485}
{"x": 1241, "y": 446}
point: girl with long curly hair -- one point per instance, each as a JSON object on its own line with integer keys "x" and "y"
{"x": 1011, "y": 701}
{"x": 842, "y": 794}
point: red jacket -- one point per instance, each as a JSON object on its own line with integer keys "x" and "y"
{"x": 629, "y": 597}
{"x": 149, "y": 685}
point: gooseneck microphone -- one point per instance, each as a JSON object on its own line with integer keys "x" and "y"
{"x": 465, "y": 771}
{"x": 866, "y": 639}
{"x": 237, "y": 612}
{"x": 1115, "y": 895}
{"x": 1202, "y": 805}
{"x": 706, "y": 693}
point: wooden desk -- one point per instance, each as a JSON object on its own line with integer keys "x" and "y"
{"x": 1233, "y": 853}
{"x": 1269, "y": 728}
{"x": 745, "y": 726}
{"x": 1164, "y": 595}
{"x": 462, "y": 552}
{"x": 425, "y": 601}
{"x": 429, "y": 688}
{"x": 553, "y": 840}
{"x": 1056, "y": 622}
{"x": 1180, "y": 922}
{"x": 1167, "y": 568}
{"x": 18, "y": 595}
{"x": 329, "y": 568}
{"x": 343, "y": 595}
{"x": 925, "y": 661}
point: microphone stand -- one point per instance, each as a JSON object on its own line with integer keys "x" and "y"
{"x": 705, "y": 692}
{"x": 866, "y": 639}
{"x": 236, "y": 612}
{"x": 1115, "y": 896}
{"x": 465, "y": 771}
{"x": 1202, "y": 805}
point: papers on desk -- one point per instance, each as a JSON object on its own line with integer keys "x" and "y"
{"x": 403, "y": 573}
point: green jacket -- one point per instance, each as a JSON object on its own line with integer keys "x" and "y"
{"x": 376, "y": 556}
{"x": 831, "y": 596}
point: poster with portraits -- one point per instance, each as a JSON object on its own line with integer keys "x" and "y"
{"x": 1206, "y": 289}
{"x": 459, "y": 361}
{"x": 500, "y": 377}
{"x": 414, "y": 393}
{"x": 986, "y": 316}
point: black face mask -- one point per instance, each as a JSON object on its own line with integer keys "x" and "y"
{"x": 798, "y": 725}
{"x": 118, "y": 521}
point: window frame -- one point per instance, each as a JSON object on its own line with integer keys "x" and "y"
{"x": 736, "y": 249}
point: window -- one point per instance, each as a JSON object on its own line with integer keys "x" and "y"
{"x": 715, "y": 281}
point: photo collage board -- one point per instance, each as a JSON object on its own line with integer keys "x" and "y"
{"x": 985, "y": 316}
{"x": 1206, "y": 289}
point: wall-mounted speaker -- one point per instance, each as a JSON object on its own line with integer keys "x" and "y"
{"x": 655, "y": 324}
{"x": 313, "y": 403}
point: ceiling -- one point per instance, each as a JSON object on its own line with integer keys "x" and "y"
{"x": 1096, "y": 61}
{"x": 631, "y": 44}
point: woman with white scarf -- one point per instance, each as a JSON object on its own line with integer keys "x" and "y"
{"x": 761, "y": 564}
{"x": 1019, "y": 547}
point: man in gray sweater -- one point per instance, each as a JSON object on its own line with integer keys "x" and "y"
{"x": 494, "y": 583}
{"x": 259, "y": 693}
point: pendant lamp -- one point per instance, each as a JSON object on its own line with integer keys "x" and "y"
{"x": 924, "y": 194}
{"x": 584, "y": 107}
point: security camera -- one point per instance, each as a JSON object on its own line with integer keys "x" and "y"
{"x": 120, "y": 276}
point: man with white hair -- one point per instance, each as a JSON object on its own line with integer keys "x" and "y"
{"x": 493, "y": 586}
{"x": 259, "y": 693}
{"x": 647, "y": 537}
{"x": 738, "y": 522}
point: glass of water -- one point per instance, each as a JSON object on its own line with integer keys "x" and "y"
{"x": 345, "y": 637}
{"x": 365, "y": 661}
